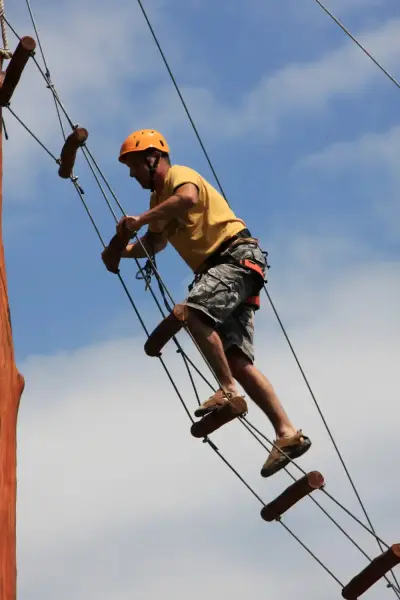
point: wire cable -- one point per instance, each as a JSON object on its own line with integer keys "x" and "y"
{"x": 354, "y": 39}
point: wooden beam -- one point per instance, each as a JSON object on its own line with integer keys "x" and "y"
{"x": 235, "y": 407}
{"x": 75, "y": 140}
{"x": 165, "y": 330}
{"x": 376, "y": 569}
{"x": 11, "y": 388}
{"x": 15, "y": 68}
{"x": 293, "y": 494}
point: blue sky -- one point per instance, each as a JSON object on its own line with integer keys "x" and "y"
{"x": 303, "y": 131}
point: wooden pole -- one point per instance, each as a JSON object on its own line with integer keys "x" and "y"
{"x": 11, "y": 387}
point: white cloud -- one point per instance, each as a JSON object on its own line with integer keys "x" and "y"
{"x": 370, "y": 150}
{"x": 372, "y": 160}
{"x": 113, "y": 489}
{"x": 311, "y": 86}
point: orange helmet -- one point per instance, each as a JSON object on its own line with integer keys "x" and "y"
{"x": 143, "y": 140}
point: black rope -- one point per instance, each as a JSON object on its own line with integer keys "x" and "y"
{"x": 328, "y": 430}
{"x": 32, "y": 134}
{"x": 354, "y": 39}
{"x": 312, "y": 554}
{"x": 180, "y": 96}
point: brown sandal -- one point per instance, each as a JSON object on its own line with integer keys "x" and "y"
{"x": 294, "y": 447}
{"x": 216, "y": 401}
{"x": 220, "y": 414}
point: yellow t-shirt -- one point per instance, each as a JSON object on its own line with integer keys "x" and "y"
{"x": 198, "y": 232}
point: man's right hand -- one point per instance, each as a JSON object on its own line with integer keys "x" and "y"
{"x": 111, "y": 259}
{"x": 112, "y": 254}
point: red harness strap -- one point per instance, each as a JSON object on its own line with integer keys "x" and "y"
{"x": 253, "y": 300}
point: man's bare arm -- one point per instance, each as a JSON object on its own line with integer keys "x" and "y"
{"x": 184, "y": 198}
{"x": 152, "y": 242}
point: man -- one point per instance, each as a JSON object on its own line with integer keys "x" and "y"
{"x": 229, "y": 269}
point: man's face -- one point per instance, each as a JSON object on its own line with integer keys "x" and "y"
{"x": 138, "y": 169}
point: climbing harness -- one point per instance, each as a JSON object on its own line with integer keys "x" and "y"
{"x": 310, "y": 482}
{"x": 223, "y": 255}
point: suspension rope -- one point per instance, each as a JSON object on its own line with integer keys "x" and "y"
{"x": 268, "y": 295}
{"x": 5, "y": 52}
{"x": 32, "y": 134}
{"x": 354, "y": 39}
{"x": 180, "y": 96}
{"x": 311, "y": 553}
{"x": 325, "y": 423}
{"x": 185, "y": 358}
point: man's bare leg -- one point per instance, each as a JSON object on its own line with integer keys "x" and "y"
{"x": 211, "y": 345}
{"x": 260, "y": 390}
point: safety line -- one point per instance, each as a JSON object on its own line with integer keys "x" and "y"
{"x": 312, "y": 554}
{"x": 329, "y": 433}
{"x": 180, "y": 95}
{"x": 190, "y": 375}
{"x": 377, "y": 63}
{"x": 354, "y": 39}
{"x": 45, "y": 64}
{"x": 32, "y": 134}
{"x": 198, "y": 136}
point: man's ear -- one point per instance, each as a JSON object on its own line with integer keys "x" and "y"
{"x": 153, "y": 157}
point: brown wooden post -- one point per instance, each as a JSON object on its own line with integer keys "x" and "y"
{"x": 11, "y": 387}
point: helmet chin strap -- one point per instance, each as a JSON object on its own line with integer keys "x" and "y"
{"x": 152, "y": 170}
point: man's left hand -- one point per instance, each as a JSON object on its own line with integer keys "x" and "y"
{"x": 129, "y": 224}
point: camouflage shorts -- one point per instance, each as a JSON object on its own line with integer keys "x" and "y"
{"x": 220, "y": 293}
